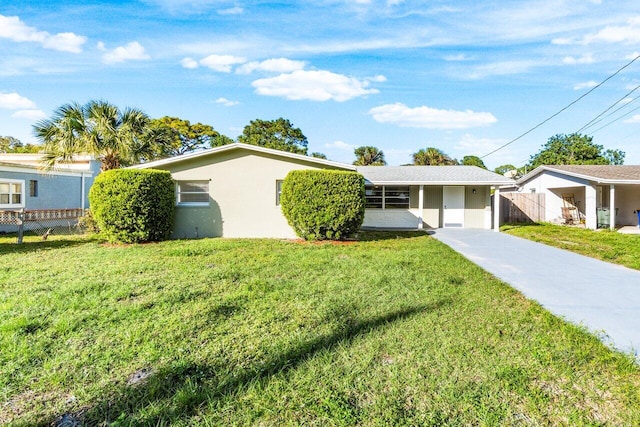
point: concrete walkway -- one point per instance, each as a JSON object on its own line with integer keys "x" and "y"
{"x": 603, "y": 297}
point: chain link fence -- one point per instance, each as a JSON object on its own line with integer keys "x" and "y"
{"x": 40, "y": 223}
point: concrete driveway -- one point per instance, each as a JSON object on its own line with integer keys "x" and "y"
{"x": 603, "y": 297}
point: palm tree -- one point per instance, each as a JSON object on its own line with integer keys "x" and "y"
{"x": 369, "y": 156}
{"x": 432, "y": 157}
{"x": 98, "y": 128}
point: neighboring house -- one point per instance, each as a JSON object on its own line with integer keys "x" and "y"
{"x": 430, "y": 196}
{"x": 601, "y": 195}
{"x": 25, "y": 186}
{"x": 234, "y": 191}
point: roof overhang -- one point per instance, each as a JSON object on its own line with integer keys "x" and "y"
{"x": 595, "y": 179}
{"x": 241, "y": 146}
{"x": 26, "y": 168}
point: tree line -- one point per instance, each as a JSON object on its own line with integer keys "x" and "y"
{"x": 124, "y": 137}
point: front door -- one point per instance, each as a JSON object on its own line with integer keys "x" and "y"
{"x": 453, "y": 206}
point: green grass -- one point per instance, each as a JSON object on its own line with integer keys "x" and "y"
{"x": 610, "y": 246}
{"x": 396, "y": 329}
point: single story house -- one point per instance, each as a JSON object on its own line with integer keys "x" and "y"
{"x": 24, "y": 185}
{"x": 430, "y": 196}
{"x": 598, "y": 195}
{"x": 234, "y": 191}
{"x": 58, "y": 193}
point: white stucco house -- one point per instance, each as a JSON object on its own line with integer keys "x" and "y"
{"x": 603, "y": 195}
{"x": 234, "y": 191}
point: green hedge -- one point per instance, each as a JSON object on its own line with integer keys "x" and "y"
{"x": 323, "y": 204}
{"x": 131, "y": 205}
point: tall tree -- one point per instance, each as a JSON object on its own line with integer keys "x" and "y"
{"x": 174, "y": 136}
{"x": 473, "y": 161}
{"x": 319, "y": 155}
{"x": 9, "y": 144}
{"x": 278, "y": 134}
{"x": 574, "y": 149}
{"x": 369, "y": 156}
{"x": 98, "y": 128}
{"x": 432, "y": 156}
{"x": 502, "y": 169}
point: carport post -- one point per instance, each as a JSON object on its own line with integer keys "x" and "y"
{"x": 420, "y": 205}
{"x": 612, "y": 207}
{"x": 496, "y": 209}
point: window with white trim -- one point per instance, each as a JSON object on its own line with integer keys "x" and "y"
{"x": 192, "y": 193}
{"x": 387, "y": 197}
{"x": 11, "y": 193}
{"x": 278, "y": 191}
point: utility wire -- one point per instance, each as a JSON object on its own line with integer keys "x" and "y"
{"x": 611, "y": 113}
{"x": 615, "y": 120}
{"x": 563, "y": 109}
{"x": 609, "y": 108}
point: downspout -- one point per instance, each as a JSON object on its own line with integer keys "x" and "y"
{"x": 82, "y": 186}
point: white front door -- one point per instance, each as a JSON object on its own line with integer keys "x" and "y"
{"x": 453, "y": 206}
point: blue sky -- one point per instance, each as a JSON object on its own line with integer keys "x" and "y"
{"x": 463, "y": 76}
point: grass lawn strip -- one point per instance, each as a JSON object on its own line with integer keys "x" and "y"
{"x": 605, "y": 245}
{"x": 396, "y": 330}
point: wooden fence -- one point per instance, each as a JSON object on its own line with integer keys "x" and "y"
{"x": 522, "y": 207}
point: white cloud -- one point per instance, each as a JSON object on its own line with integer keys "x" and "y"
{"x": 14, "y": 101}
{"x": 503, "y": 68}
{"x": 633, "y": 119}
{"x": 189, "y": 63}
{"x": 274, "y": 65}
{"x": 237, "y": 10}
{"x": 317, "y": 85}
{"x": 29, "y": 114}
{"x": 133, "y": 51}
{"x": 226, "y": 102}
{"x": 457, "y": 57}
{"x": 430, "y": 118}
{"x": 478, "y": 146}
{"x": 585, "y": 85}
{"x": 12, "y": 28}
{"x": 221, "y": 63}
{"x": 584, "y": 59}
{"x": 625, "y": 34}
{"x": 633, "y": 55}
{"x": 340, "y": 145}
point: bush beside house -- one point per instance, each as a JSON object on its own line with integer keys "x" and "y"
{"x": 133, "y": 206}
{"x": 323, "y": 204}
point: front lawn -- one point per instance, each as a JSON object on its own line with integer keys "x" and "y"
{"x": 394, "y": 330}
{"x": 623, "y": 249}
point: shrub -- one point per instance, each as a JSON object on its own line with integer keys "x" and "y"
{"x": 323, "y": 204}
{"x": 131, "y": 205}
{"x": 87, "y": 223}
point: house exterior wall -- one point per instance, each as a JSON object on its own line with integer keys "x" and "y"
{"x": 54, "y": 191}
{"x": 242, "y": 195}
{"x": 627, "y": 200}
{"x": 553, "y": 185}
{"x": 477, "y": 210}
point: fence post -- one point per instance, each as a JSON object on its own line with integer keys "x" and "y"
{"x": 20, "y": 222}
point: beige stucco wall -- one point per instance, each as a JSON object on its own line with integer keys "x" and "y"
{"x": 477, "y": 210}
{"x": 242, "y": 190}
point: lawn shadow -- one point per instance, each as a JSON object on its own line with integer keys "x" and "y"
{"x": 179, "y": 391}
{"x": 38, "y": 245}
{"x": 368, "y": 235}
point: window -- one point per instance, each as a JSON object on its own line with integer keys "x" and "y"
{"x": 33, "y": 188}
{"x": 193, "y": 193}
{"x": 11, "y": 194}
{"x": 278, "y": 191}
{"x": 387, "y": 197}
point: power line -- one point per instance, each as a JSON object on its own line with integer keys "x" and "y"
{"x": 615, "y": 120}
{"x": 609, "y": 108}
{"x": 612, "y": 113}
{"x": 563, "y": 109}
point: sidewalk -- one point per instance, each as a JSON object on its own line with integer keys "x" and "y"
{"x": 603, "y": 297}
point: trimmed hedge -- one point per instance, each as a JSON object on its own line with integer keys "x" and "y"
{"x": 323, "y": 204}
{"x": 131, "y": 205}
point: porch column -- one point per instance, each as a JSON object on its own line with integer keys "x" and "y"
{"x": 496, "y": 209}
{"x": 590, "y": 195}
{"x": 612, "y": 207}
{"x": 420, "y": 206}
